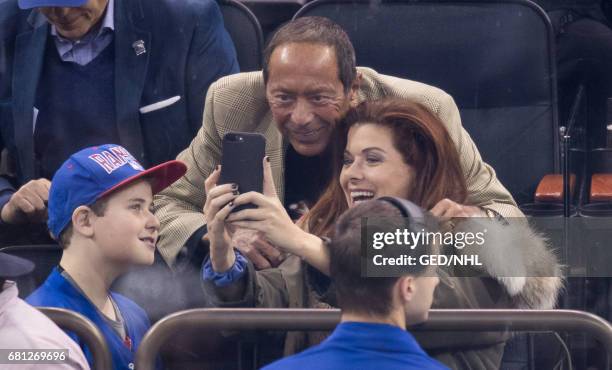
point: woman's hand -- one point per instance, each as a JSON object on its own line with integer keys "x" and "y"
{"x": 219, "y": 203}
{"x": 270, "y": 217}
{"x": 447, "y": 209}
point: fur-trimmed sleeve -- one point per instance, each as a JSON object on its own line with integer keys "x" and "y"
{"x": 519, "y": 258}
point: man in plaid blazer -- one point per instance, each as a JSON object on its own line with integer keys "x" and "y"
{"x": 308, "y": 83}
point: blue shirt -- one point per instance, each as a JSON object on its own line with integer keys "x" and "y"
{"x": 91, "y": 45}
{"x": 56, "y": 291}
{"x": 363, "y": 346}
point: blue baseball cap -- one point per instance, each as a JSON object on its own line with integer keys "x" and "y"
{"x": 29, "y": 4}
{"x": 94, "y": 172}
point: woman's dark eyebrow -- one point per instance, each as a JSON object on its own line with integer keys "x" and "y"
{"x": 371, "y": 148}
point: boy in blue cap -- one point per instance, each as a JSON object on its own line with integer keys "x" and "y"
{"x": 100, "y": 212}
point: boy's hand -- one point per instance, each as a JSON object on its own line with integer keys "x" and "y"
{"x": 28, "y": 204}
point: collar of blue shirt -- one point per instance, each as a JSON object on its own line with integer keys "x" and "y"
{"x": 91, "y": 45}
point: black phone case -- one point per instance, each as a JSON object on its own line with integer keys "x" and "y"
{"x": 243, "y": 154}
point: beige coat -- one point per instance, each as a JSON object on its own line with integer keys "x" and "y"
{"x": 238, "y": 103}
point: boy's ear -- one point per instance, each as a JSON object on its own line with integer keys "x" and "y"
{"x": 406, "y": 286}
{"x": 82, "y": 221}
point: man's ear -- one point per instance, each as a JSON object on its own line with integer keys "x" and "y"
{"x": 83, "y": 219}
{"x": 406, "y": 286}
{"x": 353, "y": 92}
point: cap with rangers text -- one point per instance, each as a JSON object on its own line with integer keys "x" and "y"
{"x": 97, "y": 171}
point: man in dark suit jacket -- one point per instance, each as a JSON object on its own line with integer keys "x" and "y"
{"x": 77, "y": 73}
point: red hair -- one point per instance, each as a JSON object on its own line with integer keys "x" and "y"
{"x": 424, "y": 144}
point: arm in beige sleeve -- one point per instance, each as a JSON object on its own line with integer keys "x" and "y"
{"x": 179, "y": 207}
{"x": 484, "y": 188}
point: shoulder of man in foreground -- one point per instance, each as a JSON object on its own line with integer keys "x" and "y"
{"x": 233, "y": 103}
{"x": 484, "y": 188}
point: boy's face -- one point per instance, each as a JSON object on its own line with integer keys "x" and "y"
{"x": 127, "y": 232}
{"x": 417, "y": 309}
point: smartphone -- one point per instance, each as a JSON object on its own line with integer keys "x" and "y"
{"x": 241, "y": 162}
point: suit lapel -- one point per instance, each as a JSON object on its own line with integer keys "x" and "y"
{"x": 29, "y": 54}
{"x": 130, "y": 74}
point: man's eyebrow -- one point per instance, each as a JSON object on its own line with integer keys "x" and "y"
{"x": 313, "y": 89}
{"x": 319, "y": 88}
{"x": 280, "y": 89}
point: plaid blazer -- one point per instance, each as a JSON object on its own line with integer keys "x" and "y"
{"x": 238, "y": 103}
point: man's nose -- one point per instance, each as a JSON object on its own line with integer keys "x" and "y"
{"x": 302, "y": 113}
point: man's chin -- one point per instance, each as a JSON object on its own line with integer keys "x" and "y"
{"x": 73, "y": 31}
{"x": 307, "y": 149}
{"x": 72, "y": 35}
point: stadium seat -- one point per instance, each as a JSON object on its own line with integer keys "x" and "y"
{"x": 44, "y": 256}
{"x": 273, "y": 13}
{"x": 495, "y": 59}
{"x": 84, "y": 329}
{"x": 246, "y": 33}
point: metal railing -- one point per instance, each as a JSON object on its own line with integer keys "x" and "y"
{"x": 312, "y": 319}
{"x": 86, "y": 330}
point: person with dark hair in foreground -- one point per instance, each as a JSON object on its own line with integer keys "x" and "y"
{"x": 100, "y": 211}
{"x": 375, "y": 311}
{"x": 24, "y": 328}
